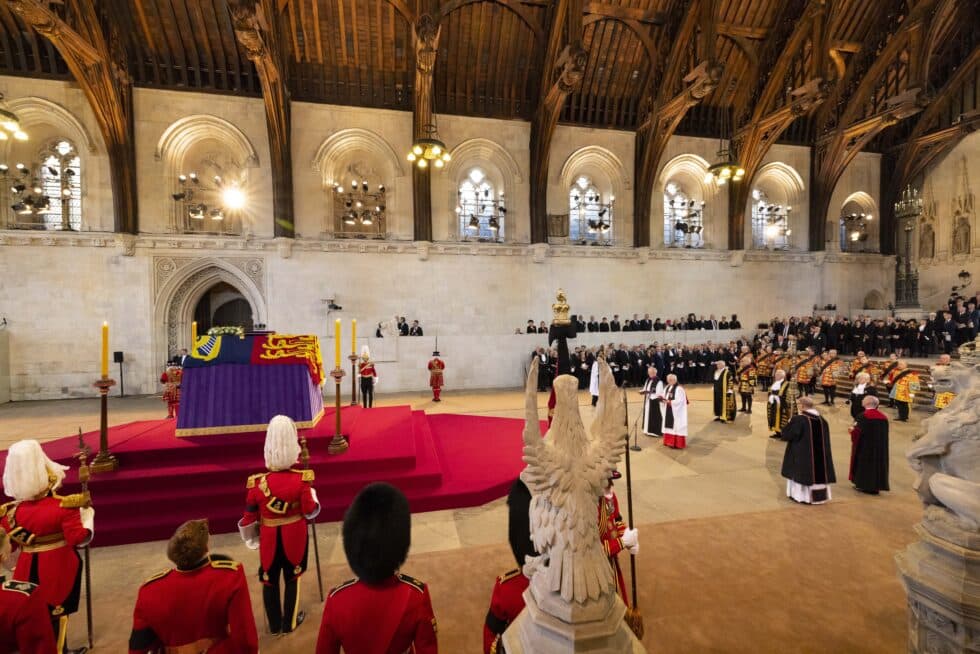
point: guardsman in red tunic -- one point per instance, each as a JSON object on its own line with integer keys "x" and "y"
{"x": 25, "y": 625}
{"x": 171, "y": 388}
{"x": 507, "y": 600}
{"x": 47, "y": 528}
{"x": 368, "y": 375}
{"x": 614, "y": 535}
{"x": 277, "y": 506}
{"x": 436, "y": 366}
{"x": 381, "y": 611}
{"x": 201, "y": 605}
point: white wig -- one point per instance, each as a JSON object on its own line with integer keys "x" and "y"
{"x": 29, "y": 473}
{"x": 281, "y": 444}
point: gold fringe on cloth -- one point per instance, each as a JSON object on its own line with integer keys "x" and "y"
{"x": 243, "y": 429}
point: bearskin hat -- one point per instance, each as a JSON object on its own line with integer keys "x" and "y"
{"x": 189, "y": 544}
{"x": 377, "y": 532}
{"x": 519, "y": 522}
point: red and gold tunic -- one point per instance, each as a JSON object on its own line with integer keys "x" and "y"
{"x": 763, "y": 364}
{"x": 611, "y": 530}
{"x": 47, "y": 531}
{"x": 868, "y": 366}
{"x": 746, "y": 376}
{"x": 829, "y": 372}
{"x": 171, "y": 384}
{"x": 804, "y": 369}
{"x": 206, "y": 609}
{"x": 279, "y": 501}
{"x": 393, "y": 616}
{"x": 25, "y": 625}
{"x": 782, "y": 362}
{"x": 436, "y": 367}
{"x": 506, "y": 603}
{"x": 366, "y": 369}
{"x": 905, "y": 384}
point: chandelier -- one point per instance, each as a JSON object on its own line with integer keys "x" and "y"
{"x": 856, "y": 226}
{"x": 359, "y": 205}
{"x": 10, "y": 124}
{"x": 229, "y": 193}
{"x": 27, "y": 191}
{"x": 727, "y": 168}
{"x": 428, "y": 149}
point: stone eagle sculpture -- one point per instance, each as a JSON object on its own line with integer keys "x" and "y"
{"x": 567, "y": 472}
{"x": 947, "y": 455}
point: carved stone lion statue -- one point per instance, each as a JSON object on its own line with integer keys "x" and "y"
{"x": 947, "y": 454}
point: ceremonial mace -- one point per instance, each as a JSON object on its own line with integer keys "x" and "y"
{"x": 84, "y": 473}
{"x": 304, "y": 456}
{"x": 634, "y": 620}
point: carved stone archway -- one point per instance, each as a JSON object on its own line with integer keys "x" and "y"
{"x": 179, "y": 284}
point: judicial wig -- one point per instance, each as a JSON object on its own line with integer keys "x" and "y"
{"x": 29, "y": 473}
{"x": 281, "y": 444}
{"x": 377, "y": 532}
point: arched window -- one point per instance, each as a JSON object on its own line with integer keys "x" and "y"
{"x": 590, "y": 219}
{"x": 683, "y": 218}
{"x": 61, "y": 182}
{"x": 770, "y": 222}
{"x": 480, "y": 208}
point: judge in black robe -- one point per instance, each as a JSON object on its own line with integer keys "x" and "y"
{"x": 724, "y": 396}
{"x": 869, "y": 449}
{"x": 808, "y": 464}
{"x": 652, "y": 415}
{"x": 778, "y": 408}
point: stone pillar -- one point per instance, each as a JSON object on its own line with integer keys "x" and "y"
{"x": 550, "y": 625}
{"x": 941, "y": 575}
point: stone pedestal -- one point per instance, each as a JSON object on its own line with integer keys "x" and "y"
{"x": 549, "y": 625}
{"x": 941, "y": 575}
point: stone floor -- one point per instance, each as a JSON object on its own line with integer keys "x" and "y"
{"x": 716, "y": 497}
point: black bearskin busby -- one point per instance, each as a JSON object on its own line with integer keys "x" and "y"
{"x": 519, "y": 522}
{"x": 377, "y": 532}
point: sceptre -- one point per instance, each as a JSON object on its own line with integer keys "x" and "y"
{"x": 634, "y": 619}
{"x": 304, "y": 456}
{"x": 84, "y": 473}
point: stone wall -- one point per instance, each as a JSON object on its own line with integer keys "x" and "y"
{"x": 56, "y": 289}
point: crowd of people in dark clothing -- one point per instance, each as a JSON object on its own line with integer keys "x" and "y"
{"x": 941, "y": 332}
{"x": 637, "y": 324}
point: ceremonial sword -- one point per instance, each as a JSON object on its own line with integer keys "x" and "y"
{"x": 305, "y": 458}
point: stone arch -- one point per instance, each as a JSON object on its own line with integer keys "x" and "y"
{"x": 38, "y": 111}
{"x": 594, "y": 159}
{"x": 180, "y": 293}
{"x": 335, "y": 151}
{"x": 874, "y": 300}
{"x": 501, "y": 169}
{"x": 784, "y": 186}
{"x": 177, "y": 140}
{"x": 859, "y": 202}
{"x": 687, "y": 170}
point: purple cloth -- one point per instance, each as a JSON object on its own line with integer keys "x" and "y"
{"x": 235, "y": 395}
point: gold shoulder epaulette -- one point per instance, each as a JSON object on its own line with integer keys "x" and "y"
{"x": 411, "y": 581}
{"x": 24, "y": 587}
{"x": 253, "y": 479}
{"x": 159, "y": 575}
{"x": 507, "y": 576}
{"x": 226, "y": 565}
{"x": 346, "y": 584}
{"x": 73, "y": 501}
{"x": 308, "y": 476}
{"x": 5, "y": 508}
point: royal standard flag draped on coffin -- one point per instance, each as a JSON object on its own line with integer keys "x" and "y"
{"x": 259, "y": 349}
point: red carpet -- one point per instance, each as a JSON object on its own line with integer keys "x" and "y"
{"x": 440, "y": 462}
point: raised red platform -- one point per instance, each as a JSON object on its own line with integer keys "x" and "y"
{"x": 440, "y": 462}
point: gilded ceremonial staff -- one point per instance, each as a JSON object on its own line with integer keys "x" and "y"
{"x": 84, "y": 473}
{"x": 304, "y": 456}
{"x": 633, "y": 617}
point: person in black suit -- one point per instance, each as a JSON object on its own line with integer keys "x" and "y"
{"x": 723, "y": 323}
{"x": 415, "y": 329}
{"x": 403, "y": 326}
{"x": 734, "y": 323}
{"x": 818, "y": 341}
{"x": 658, "y": 326}
{"x": 579, "y": 323}
{"x": 604, "y": 325}
{"x": 179, "y": 358}
{"x": 531, "y": 329}
{"x": 592, "y": 325}
{"x": 615, "y": 325}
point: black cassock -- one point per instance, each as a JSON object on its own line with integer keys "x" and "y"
{"x": 808, "y": 459}
{"x": 869, "y": 452}
{"x": 653, "y": 424}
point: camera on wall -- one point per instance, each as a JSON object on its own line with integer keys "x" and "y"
{"x": 332, "y": 305}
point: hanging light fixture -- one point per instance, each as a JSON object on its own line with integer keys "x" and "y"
{"x": 10, "y": 124}
{"x": 727, "y": 169}
{"x": 429, "y": 149}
